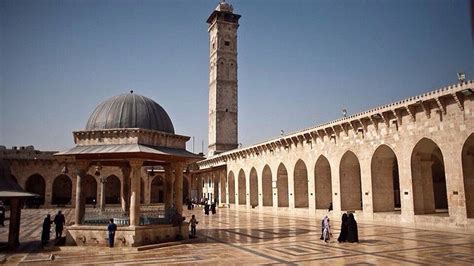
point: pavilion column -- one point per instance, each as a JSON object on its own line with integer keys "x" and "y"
{"x": 103, "y": 181}
{"x": 81, "y": 168}
{"x": 135, "y": 192}
{"x": 125, "y": 188}
{"x": 16, "y": 205}
{"x": 178, "y": 189}
{"x": 168, "y": 182}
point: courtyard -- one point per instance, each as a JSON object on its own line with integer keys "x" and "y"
{"x": 254, "y": 237}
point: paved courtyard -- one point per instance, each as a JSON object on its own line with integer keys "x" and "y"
{"x": 251, "y": 237}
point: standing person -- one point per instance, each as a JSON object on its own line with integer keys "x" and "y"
{"x": 330, "y": 207}
{"x": 326, "y": 229}
{"x": 59, "y": 221}
{"x": 2, "y": 213}
{"x": 352, "y": 232}
{"x": 213, "y": 208}
{"x": 46, "y": 229}
{"x": 111, "y": 228}
{"x": 343, "y": 235}
{"x": 193, "y": 222}
{"x": 206, "y": 208}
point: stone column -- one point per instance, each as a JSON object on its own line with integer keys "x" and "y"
{"x": 102, "y": 181}
{"x": 135, "y": 192}
{"x": 178, "y": 189}
{"x": 73, "y": 192}
{"x": 125, "y": 188}
{"x": 168, "y": 182}
{"x": 16, "y": 205}
{"x": 48, "y": 195}
{"x": 81, "y": 169}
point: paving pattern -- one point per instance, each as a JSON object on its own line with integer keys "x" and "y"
{"x": 250, "y": 237}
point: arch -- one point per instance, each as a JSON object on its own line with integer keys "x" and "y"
{"x": 253, "y": 187}
{"x": 267, "y": 186}
{"x": 428, "y": 178}
{"x": 350, "y": 184}
{"x": 35, "y": 184}
{"x": 385, "y": 180}
{"x": 62, "y": 190}
{"x": 300, "y": 178}
{"x": 112, "y": 190}
{"x": 90, "y": 189}
{"x": 322, "y": 183}
{"x": 14, "y": 179}
{"x": 242, "y": 188}
{"x": 231, "y": 186}
{"x": 468, "y": 174}
{"x": 157, "y": 190}
{"x": 282, "y": 186}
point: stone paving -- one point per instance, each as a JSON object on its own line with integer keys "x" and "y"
{"x": 251, "y": 237}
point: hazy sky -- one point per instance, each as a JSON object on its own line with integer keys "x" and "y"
{"x": 300, "y": 62}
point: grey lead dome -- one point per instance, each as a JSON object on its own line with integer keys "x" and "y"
{"x": 130, "y": 110}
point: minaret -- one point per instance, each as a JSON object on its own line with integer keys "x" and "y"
{"x": 223, "y": 24}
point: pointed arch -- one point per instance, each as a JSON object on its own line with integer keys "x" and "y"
{"x": 90, "y": 189}
{"x": 322, "y": 183}
{"x": 35, "y": 184}
{"x": 267, "y": 186}
{"x": 253, "y": 187}
{"x": 62, "y": 190}
{"x": 468, "y": 174}
{"x": 231, "y": 185}
{"x": 300, "y": 179}
{"x": 351, "y": 189}
{"x": 112, "y": 190}
{"x": 428, "y": 178}
{"x": 282, "y": 186}
{"x": 385, "y": 180}
{"x": 242, "y": 188}
{"x": 157, "y": 189}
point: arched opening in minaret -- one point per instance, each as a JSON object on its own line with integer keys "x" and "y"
{"x": 350, "y": 183}
{"x": 157, "y": 190}
{"x": 282, "y": 185}
{"x": 267, "y": 186}
{"x": 35, "y": 184}
{"x": 231, "y": 186}
{"x": 253, "y": 187}
{"x": 62, "y": 190}
{"x": 428, "y": 177}
{"x": 90, "y": 189}
{"x": 242, "y": 188}
{"x": 385, "y": 180}
{"x": 300, "y": 177}
{"x": 468, "y": 174}
{"x": 322, "y": 183}
{"x": 112, "y": 190}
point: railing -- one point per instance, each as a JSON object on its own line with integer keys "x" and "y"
{"x": 149, "y": 215}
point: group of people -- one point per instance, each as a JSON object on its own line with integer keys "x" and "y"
{"x": 349, "y": 232}
{"x": 211, "y": 207}
{"x": 59, "y": 222}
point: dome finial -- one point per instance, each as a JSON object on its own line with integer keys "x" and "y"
{"x": 131, "y": 91}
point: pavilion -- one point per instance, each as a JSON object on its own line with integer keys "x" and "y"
{"x": 129, "y": 131}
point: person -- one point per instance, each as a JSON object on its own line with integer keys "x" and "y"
{"x": 343, "y": 235}
{"x": 59, "y": 221}
{"x": 352, "y": 233}
{"x": 193, "y": 222}
{"x": 326, "y": 229}
{"x": 330, "y": 207}
{"x": 2, "y": 213}
{"x": 46, "y": 229}
{"x": 206, "y": 208}
{"x": 213, "y": 208}
{"x": 111, "y": 228}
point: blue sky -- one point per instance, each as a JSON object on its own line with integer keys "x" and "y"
{"x": 300, "y": 62}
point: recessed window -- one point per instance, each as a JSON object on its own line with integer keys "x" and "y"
{"x": 226, "y": 43}
{"x": 226, "y": 110}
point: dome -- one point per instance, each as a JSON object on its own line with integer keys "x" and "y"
{"x": 130, "y": 110}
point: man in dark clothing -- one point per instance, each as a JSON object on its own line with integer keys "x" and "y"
{"x": 352, "y": 232}
{"x": 59, "y": 221}
{"x": 111, "y": 228}
{"x": 213, "y": 208}
{"x": 206, "y": 208}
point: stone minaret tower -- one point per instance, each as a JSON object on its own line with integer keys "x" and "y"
{"x": 223, "y": 24}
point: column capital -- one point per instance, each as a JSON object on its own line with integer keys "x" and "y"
{"x": 82, "y": 167}
{"x": 135, "y": 163}
{"x": 178, "y": 166}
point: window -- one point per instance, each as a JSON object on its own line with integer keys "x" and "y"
{"x": 226, "y": 43}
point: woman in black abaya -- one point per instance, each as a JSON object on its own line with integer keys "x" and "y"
{"x": 352, "y": 233}
{"x": 343, "y": 235}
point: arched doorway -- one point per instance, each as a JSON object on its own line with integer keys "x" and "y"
{"x": 253, "y": 187}
{"x": 468, "y": 173}
{"x": 428, "y": 177}
{"x": 351, "y": 190}
{"x": 322, "y": 183}
{"x": 385, "y": 180}
{"x": 112, "y": 190}
{"x": 62, "y": 190}
{"x": 282, "y": 186}
{"x": 35, "y": 184}
{"x": 231, "y": 186}
{"x": 90, "y": 189}
{"x": 267, "y": 186}
{"x": 242, "y": 188}
{"x": 300, "y": 178}
{"x": 157, "y": 191}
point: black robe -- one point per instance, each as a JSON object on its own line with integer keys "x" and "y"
{"x": 352, "y": 232}
{"x": 343, "y": 235}
{"x": 46, "y": 229}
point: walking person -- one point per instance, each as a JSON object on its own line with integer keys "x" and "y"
{"x": 343, "y": 235}
{"x": 213, "y": 208}
{"x": 352, "y": 232}
{"x": 193, "y": 222}
{"x": 206, "y": 208}
{"x": 46, "y": 229}
{"x": 2, "y": 213}
{"x": 111, "y": 228}
{"x": 326, "y": 229}
{"x": 59, "y": 221}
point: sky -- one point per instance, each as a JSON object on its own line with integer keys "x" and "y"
{"x": 300, "y": 62}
